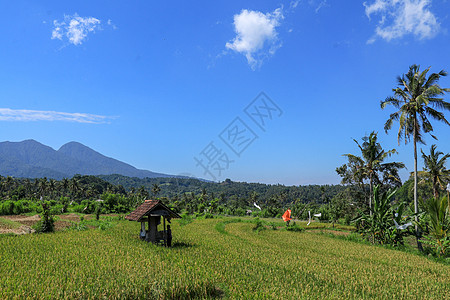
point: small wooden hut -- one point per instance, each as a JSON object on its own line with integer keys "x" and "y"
{"x": 151, "y": 212}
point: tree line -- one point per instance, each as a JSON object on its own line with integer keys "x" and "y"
{"x": 188, "y": 194}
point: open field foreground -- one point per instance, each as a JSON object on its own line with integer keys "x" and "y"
{"x": 206, "y": 262}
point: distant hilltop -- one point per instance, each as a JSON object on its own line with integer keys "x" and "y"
{"x": 31, "y": 159}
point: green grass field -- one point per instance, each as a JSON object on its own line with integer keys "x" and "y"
{"x": 234, "y": 262}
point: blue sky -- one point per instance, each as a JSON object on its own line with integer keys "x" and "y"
{"x": 164, "y": 85}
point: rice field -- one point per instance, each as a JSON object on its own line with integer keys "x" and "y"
{"x": 234, "y": 262}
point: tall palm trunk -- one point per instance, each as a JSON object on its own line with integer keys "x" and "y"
{"x": 448, "y": 201}
{"x": 416, "y": 207}
{"x": 436, "y": 187}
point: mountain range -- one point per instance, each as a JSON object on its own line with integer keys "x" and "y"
{"x": 31, "y": 159}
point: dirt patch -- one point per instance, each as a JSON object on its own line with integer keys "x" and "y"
{"x": 71, "y": 217}
{"x": 27, "y": 222}
{"x": 22, "y": 218}
{"x": 60, "y": 225}
{"x": 20, "y": 230}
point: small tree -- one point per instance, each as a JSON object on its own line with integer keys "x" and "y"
{"x": 342, "y": 207}
{"x": 98, "y": 210}
{"x": 155, "y": 190}
{"x": 47, "y": 223}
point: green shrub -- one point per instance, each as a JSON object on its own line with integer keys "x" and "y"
{"x": 273, "y": 226}
{"x": 205, "y": 215}
{"x": 65, "y": 203}
{"x": 120, "y": 209}
{"x": 378, "y": 227}
{"x": 27, "y": 206}
{"x": 220, "y": 227}
{"x": 7, "y": 208}
{"x": 295, "y": 228}
{"x": 240, "y": 212}
{"x": 47, "y": 223}
{"x": 78, "y": 208}
{"x": 81, "y": 226}
{"x": 57, "y": 209}
{"x": 18, "y": 208}
{"x": 185, "y": 219}
{"x": 104, "y": 225}
{"x": 437, "y": 225}
{"x": 88, "y": 206}
{"x": 259, "y": 226}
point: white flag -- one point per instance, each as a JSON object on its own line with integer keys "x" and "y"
{"x": 256, "y": 205}
{"x": 401, "y": 227}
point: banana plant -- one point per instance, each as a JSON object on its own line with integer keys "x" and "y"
{"x": 379, "y": 226}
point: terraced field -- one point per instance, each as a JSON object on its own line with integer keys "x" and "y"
{"x": 235, "y": 262}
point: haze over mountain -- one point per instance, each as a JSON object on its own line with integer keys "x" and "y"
{"x": 32, "y": 159}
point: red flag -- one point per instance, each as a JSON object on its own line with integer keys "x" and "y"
{"x": 287, "y": 216}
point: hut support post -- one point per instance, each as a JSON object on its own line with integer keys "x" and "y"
{"x": 164, "y": 229}
{"x": 143, "y": 232}
{"x": 147, "y": 236}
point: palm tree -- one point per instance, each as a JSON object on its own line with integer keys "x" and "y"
{"x": 143, "y": 192}
{"x": 52, "y": 187}
{"x": 27, "y": 185}
{"x": 435, "y": 170}
{"x": 417, "y": 98}
{"x": 371, "y": 165}
{"x": 64, "y": 185}
{"x": 155, "y": 190}
{"x": 43, "y": 187}
{"x": 7, "y": 183}
{"x": 74, "y": 186}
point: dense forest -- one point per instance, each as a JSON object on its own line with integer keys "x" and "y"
{"x": 121, "y": 194}
{"x": 172, "y": 187}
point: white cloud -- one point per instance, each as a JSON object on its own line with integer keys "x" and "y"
{"x": 379, "y": 5}
{"x": 75, "y": 28}
{"x": 7, "y": 114}
{"x": 321, "y": 5}
{"x": 294, "y": 4}
{"x": 401, "y": 17}
{"x": 110, "y": 23}
{"x": 318, "y": 4}
{"x": 256, "y": 35}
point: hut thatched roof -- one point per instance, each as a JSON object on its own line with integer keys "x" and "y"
{"x": 151, "y": 208}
